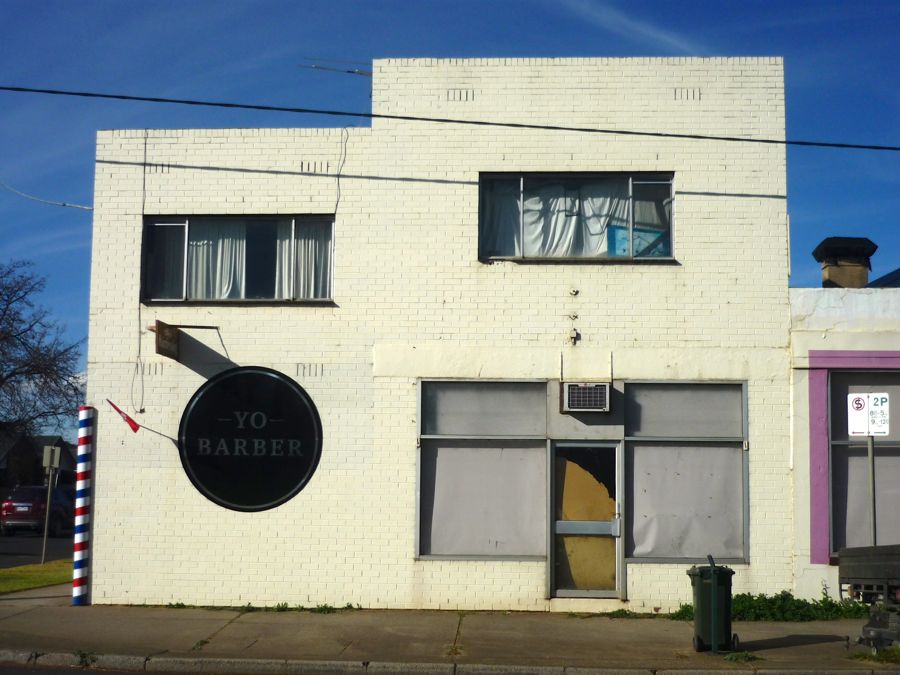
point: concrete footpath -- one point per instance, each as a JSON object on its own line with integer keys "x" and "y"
{"x": 41, "y": 627}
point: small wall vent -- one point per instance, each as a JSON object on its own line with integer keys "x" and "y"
{"x": 585, "y": 397}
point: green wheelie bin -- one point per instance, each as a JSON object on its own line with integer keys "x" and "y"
{"x": 712, "y": 608}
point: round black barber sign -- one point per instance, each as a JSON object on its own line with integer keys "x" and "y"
{"x": 250, "y": 438}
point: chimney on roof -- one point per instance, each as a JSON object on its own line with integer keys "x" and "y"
{"x": 845, "y": 261}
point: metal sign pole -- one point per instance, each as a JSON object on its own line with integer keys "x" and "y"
{"x": 51, "y": 462}
{"x": 871, "y": 449}
{"x": 47, "y": 514}
{"x": 869, "y": 415}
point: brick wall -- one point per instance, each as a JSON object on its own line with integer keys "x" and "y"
{"x": 412, "y": 300}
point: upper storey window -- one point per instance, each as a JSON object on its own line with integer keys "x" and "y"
{"x": 225, "y": 258}
{"x": 595, "y": 216}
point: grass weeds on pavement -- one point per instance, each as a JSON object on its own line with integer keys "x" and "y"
{"x": 785, "y": 607}
{"x": 889, "y": 655}
{"x": 35, "y": 576}
{"x": 741, "y": 657}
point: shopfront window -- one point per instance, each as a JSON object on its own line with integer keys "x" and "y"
{"x": 483, "y": 469}
{"x": 686, "y": 471}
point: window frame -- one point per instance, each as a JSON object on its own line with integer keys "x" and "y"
{"x": 151, "y": 222}
{"x": 617, "y": 447}
{"x": 423, "y": 438}
{"x": 851, "y": 443}
{"x": 744, "y": 442}
{"x": 640, "y": 178}
{"x": 737, "y": 443}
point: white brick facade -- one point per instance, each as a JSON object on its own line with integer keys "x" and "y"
{"x": 852, "y": 332}
{"x": 412, "y": 301}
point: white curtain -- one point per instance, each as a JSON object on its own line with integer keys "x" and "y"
{"x": 550, "y": 220}
{"x": 573, "y": 219}
{"x": 604, "y": 212}
{"x": 283, "y": 260}
{"x": 216, "y": 259}
{"x": 313, "y": 260}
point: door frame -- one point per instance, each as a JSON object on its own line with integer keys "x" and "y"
{"x": 616, "y": 528}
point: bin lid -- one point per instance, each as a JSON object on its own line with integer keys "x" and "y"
{"x": 706, "y": 571}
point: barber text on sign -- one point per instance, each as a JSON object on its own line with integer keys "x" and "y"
{"x": 868, "y": 414}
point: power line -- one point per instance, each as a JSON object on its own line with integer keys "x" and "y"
{"x": 446, "y": 120}
{"x": 354, "y": 71}
{"x": 44, "y": 201}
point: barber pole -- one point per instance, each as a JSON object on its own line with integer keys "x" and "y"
{"x": 83, "y": 505}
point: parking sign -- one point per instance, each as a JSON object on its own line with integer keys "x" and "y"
{"x": 868, "y": 414}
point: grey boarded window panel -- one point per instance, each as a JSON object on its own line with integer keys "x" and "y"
{"x": 484, "y": 408}
{"x": 846, "y": 383}
{"x": 685, "y": 500}
{"x": 483, "y": 498}
{"x": 850, "y": 496}
{"x": 674, "y": 410}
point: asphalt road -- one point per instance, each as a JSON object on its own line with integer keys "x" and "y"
{"x": 24, "y": 548}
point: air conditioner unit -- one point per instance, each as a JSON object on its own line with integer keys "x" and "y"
{"x": 584, "y": 397}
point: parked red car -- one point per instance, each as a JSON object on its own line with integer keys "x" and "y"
{"x": 24, "y": 508}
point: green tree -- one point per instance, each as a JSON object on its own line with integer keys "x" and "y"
{"x": 40, "y": 386}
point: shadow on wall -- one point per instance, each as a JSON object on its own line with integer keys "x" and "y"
{"x": 201, "y": 358}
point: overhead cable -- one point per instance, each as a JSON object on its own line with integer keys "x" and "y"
{"x": 354, "y": 71}
{"x": 445, "y": 120}
{"x": 44, "y": 201}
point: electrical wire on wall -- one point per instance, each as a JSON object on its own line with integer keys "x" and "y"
{"x": 137, "y": 376}
{"x": 345, "y": 136}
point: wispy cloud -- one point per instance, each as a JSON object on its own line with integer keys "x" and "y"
{"x": 36, "y": 246}
{"x": 615, "y": 21}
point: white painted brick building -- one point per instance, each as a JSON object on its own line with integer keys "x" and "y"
{"x": 433, "y": 336}
{"x": 843, "y": 343}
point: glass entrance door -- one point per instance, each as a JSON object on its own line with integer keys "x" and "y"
{"x": 586, "y": 547}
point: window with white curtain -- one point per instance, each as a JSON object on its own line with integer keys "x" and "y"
{"x": 575, "y": 216}
{"x": 238, "y": 258}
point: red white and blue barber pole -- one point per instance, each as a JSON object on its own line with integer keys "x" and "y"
{"x": 83, "y": 506}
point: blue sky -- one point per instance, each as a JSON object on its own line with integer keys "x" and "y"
{"x": 841, "y": 64}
